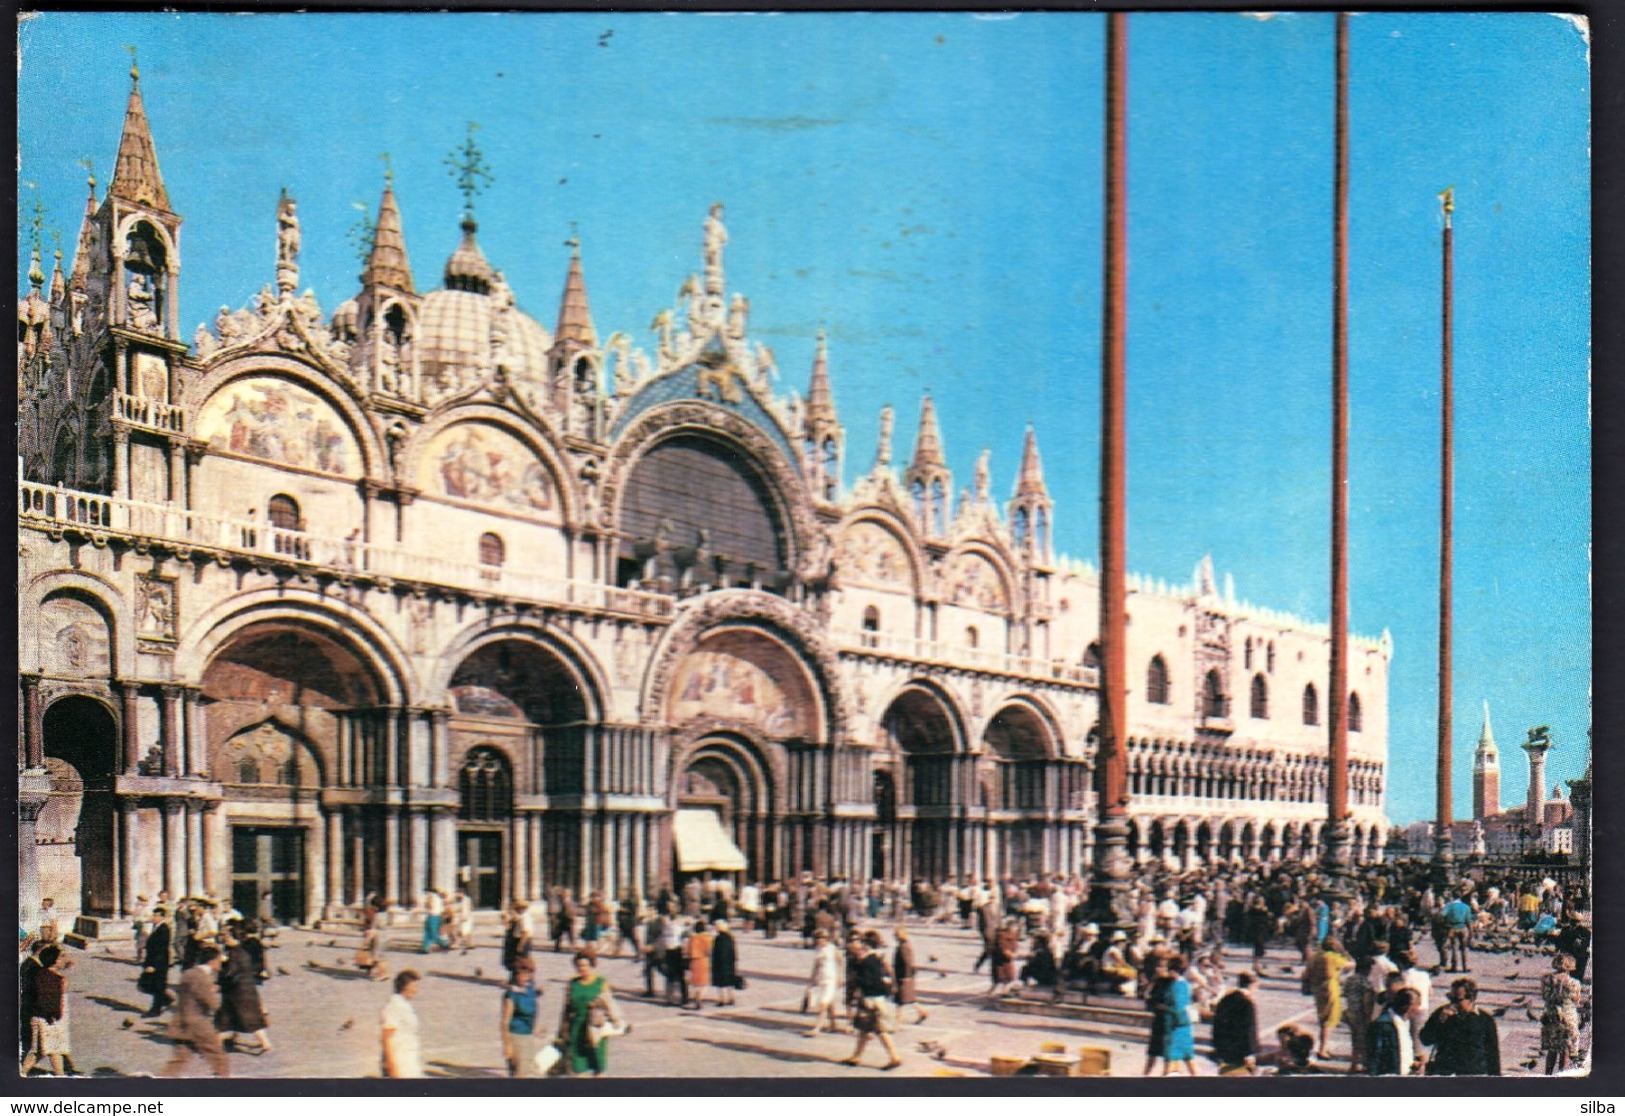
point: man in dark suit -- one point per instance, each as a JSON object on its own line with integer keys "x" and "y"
{"x": 193, "y": 1028}
{"x": 1463, "y": 1036}
{"x": 155, "y": 964}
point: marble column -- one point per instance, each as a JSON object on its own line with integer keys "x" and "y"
{"x": 126, "y": 891}
{"x": 419, "y": 872}
{"x": 33, "y": 726}
{"x": 334, "y": 849}
{"x": 392, "y": 861}
{"x": 169, "y": 697}
{"x": 197, "y": 736}
{"x": 516, "y": 836}
{"x": 174, "y": 849}
{"x": 355, "y": 829}
{"x": 194, "y": 848}
{"x": 443, "y": 838}
{"x": 131, "y": 697}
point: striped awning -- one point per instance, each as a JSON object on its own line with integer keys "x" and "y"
{"x": 703, "y": 845}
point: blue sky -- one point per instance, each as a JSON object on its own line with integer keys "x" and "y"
{"x": 928, "y": 188}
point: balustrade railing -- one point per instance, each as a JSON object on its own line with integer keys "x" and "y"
{"x": 982, "y": 658}
{"x": 154, "y": 413}
{"x": 353, "y": 555}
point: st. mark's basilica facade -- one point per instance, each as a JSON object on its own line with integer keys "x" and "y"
{"x": 423, "y": 593}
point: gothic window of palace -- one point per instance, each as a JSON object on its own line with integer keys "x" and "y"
{"x": 485, "y": 787}
{"x": 1091, "y": 656}
{"x": 1214, "y": 703}
{"x": 1247, "y": 662}
{"x": 971, "y": 637}
{"x": 1261, "y": 698}
{"x": 1354, "y": 712}
{"x": 1156, "y": 682}
{"x": 492, "y": 551}
{"x": 1269, "y": 658}
{"x": 1311, "y": 705}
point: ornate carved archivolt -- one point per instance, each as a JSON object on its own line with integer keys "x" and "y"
{"x": 775, "y": 616}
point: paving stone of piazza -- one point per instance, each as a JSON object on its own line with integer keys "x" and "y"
{"x": 324, "y": 1014}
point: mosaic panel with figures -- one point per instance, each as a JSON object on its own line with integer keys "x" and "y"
{"x": 974, "y": 583}
{"x": 276, "y": 420}
{"x": 482, "y": 464}
{"x": 746, "y": 678}
{"x": 873, "y": 555}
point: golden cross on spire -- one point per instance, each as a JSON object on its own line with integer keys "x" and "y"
{"x": 1447, "y": 201}
{"x": 135, "y": 68}
{"x": 466, "y": 163}
{"x": 90, "y": 170}
{"x": 389, "y": 169}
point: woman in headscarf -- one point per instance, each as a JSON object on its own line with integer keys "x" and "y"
{"x": 724, "y": 964}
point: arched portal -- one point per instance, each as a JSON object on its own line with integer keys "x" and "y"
{"x": 76, "y": 831}
{"x": 920, "y": 725}
{"x": 289, "y": 707}
{"x": 1204, "y": 842}
{"x": 724, "y": 819}
{"x": 1019, "y": 742}
{"x": 519, "y": 726}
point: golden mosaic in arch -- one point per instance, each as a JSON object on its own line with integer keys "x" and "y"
{"x": 870, "y": 553}
{"x": 748, "y": 678}
{"x": 276, "y": 420}
{"x": 973, "y": 581}
{"x": 479, "y": 463}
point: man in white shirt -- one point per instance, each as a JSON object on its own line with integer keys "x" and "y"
{"x": 398, "y": 1023}
{"x": 49, "y": 924}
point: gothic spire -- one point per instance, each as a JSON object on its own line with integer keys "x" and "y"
{"x": 1030, "y": 482}
{"x": 59, "y": 286}
{"x": 928, "y": 446}
{"x": 575, "y": 319}
{"x": 81, "y": 254}
{"x": 821, "y": 420}
{"x": 1486, "y": 737}
{"x": 135, "y": 177}
{"x": 387, "y": 265}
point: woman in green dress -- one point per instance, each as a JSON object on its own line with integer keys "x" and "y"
{"x": 588, "y": 1007}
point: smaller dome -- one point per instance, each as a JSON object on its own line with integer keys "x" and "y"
{"x": 467, "y": 270}
{"x": 454, "y": 339}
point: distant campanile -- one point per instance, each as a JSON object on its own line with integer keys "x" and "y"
{"x": 1486, "y": 772}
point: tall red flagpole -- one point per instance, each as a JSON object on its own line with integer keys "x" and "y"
{"x": 1111, "y": 772}
{"x": 1443, "y": 854}
{"x": 1337, "y": 789}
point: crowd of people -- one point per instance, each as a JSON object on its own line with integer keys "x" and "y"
{"x": 1190, "y": 954}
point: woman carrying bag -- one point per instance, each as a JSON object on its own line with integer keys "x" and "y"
{"x": 589, "y": 1020}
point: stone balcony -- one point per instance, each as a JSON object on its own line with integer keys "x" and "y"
{"x": 152, "y": 414}
{"x": 104, "y": 520}
{"x": 887, "y": 645}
